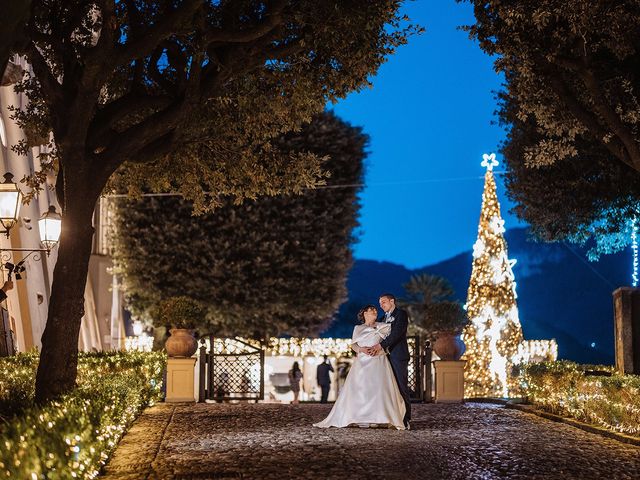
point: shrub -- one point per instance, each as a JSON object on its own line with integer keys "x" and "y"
{"x": 72, "y": 437}
{"x": 607, "y": 399}
{"x": 180, "y": 312}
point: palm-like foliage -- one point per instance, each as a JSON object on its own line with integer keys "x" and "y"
{"x": 431, "y": 306}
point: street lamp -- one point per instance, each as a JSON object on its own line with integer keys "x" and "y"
{"x": 50, "y": 225}
{"x": 10, "y": 200}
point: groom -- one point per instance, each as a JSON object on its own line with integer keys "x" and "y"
{"x": 395, "y": 345}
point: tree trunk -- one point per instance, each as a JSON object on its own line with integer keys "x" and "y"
{"x": 57, "y": 369}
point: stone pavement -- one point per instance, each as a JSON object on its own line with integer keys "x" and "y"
{"x": 274, "y": 441}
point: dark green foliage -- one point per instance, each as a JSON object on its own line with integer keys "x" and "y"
{"x": 431, "y": 308}
{"x": 571, "y": 101}
{"x": 273, "y": 265}
{"x": 74, "y": 436}
{"x": 590, "y": 196}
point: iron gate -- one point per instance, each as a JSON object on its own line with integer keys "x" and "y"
{"x": 231, "y": 369}
{"x": 416, "y": 390}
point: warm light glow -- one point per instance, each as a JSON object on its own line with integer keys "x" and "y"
{"x": 50, "y": 226}
{"x": 538, "y": 351}
{"x": 141, "y": 343}
{"x": 493, "y": 337}
{"x": 138, "y": 328}
{"x": 494, "y": 334}
{"x": 317, "y": 347}
{"x": 10, "y": 200}
{"x": 564, "y": 388}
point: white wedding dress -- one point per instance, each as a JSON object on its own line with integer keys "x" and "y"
{"x": 370, "y": 394}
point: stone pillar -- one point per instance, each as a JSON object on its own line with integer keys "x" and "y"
{"x": 626, "y": 311}
{"x": 449, "y": 380}
{"x": 181, "y": 379}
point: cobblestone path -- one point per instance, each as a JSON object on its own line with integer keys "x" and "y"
{"x": 271, "y": 441}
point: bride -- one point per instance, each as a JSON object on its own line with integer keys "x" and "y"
{"x": 370, "y": 394}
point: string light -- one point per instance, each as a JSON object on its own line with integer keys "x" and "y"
{"x": 494, "y": 335}
{"x": 300, "y": 347}
{"x": 141, "y": 343}
{"x": 563, "y": 388}
{"x": 634, "y": 249}
{"x": 74, "y": 436}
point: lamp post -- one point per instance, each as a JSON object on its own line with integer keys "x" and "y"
{"x": 49, "y": 225}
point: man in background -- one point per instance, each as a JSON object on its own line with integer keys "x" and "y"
{"x": 324, "y": 379}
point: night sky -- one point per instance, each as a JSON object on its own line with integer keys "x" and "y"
{"x": 429, "y": 117}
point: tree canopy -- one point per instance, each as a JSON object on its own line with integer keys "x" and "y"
{"x": 271, "y": 265}
{"x": 184, "y": 96}
{"x": 590, "y": 197}
{"x": 571, "y": 100}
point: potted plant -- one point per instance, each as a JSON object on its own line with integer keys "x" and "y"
{"x": 183, "y": 314}
{"x": 448, "y": 321}
{"x": 442, "y": 323}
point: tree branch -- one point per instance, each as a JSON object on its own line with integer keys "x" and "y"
{"x": 588, "y": 119}
{"x": 608, "y": 114}
{"x": 272, "y": 20}
{"x": 51, "y": 88}
{"x": 105, "y": 118}
{"x": 165, "y": 26}
{"x": 125, "y": 144}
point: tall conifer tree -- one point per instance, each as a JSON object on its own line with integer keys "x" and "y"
{"x": 494, "y": 334}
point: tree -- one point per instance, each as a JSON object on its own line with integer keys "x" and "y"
{"x": 591, "y": 196}
{"x": 271, "y": 265}
{"x": 187, "y": 93}
{"x": 494, "y": 335}
{"x": 572, "y": 69}
{"x": 430, "y": 306}
{"x": 12, "y": 39}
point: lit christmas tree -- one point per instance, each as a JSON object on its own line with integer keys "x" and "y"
{"x": 494, "y": 336}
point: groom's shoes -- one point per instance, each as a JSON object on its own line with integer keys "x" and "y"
{"x": 407, "y": 425}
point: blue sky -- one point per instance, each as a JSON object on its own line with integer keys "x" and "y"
{"x": 429, "y": 117}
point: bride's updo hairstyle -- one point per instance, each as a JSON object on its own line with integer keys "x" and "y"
{"x": 365, "y": 309}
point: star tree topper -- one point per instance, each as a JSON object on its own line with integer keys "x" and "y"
{"x": 489, "y": 161}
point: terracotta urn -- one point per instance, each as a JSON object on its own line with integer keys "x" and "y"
{"x": 181, "y": 343}
{"x": 449, "y": 346}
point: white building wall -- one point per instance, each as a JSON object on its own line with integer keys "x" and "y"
{"x": 28, "y": 302}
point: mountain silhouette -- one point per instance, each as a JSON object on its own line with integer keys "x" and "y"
{"x": 561, "y": 294}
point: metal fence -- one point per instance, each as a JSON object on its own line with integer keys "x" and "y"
{"x": 231, "y": 369}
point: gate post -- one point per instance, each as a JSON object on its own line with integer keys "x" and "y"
{"x": 210, "y": 386}
{"x": 202, "y": 372}
{"x": 428, "y": 379}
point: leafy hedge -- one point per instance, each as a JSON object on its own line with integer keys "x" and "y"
{"x": 74, "y": 436}
{"x": 593, "y": 394}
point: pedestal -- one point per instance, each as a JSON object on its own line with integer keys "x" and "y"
{"x": 180, "y": 379}
{"x": 626, "y": 310}
{"x": 449, "y": 380}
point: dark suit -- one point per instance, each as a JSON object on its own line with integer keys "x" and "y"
{"x": 324, "y": 380}
{"x": 398, "y": 352}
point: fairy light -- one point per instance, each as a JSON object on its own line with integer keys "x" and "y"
{"x": 538, "y": 351}
{"x": 494, "y": 334}
{"x": 300, "y": 347}
{"x": 142, "y": 343}
{"x": 612, "y": 402}
{"x": 74, "y": 436}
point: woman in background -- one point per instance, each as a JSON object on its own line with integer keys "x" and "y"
{"x": 295, "y": 375}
